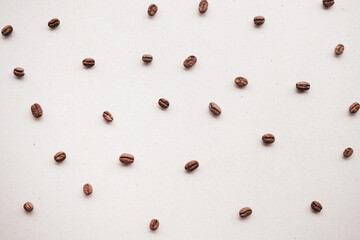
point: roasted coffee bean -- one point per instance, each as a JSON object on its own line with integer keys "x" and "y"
{"x": 354, "y": 107}
{"x": 259, "y": 20}
{"x": 215, "y": 109}
{"x": 241, "y": 81}
{"x": 268, "y": 138}
{"x": 302, "y": 86}
{"x": 60, "y": 156}
{"x": 164, "y": 103}
{"x": 147, "y": 58}
{"x": 152, "y": 9}
{"x": 244, "y": 212}
{"x": 348, "y": 152}
{"x": 192, "y": 165}
{"x": 316, "y": 206}
{"x": 107, "y": 116}
{"x": 328, "y": 3}
{"x": 126, "y": 158}
{"x": 53, "y": 23}
{"x": 190, "y": 61}
{"x": 7, "y": 30}
{"x": 154, "y": 224}
{"x": 36, "y": 110}
{"x": 339, "y": 49}
{"x": 87, "y": 189}
{"x": 28, "y": 206}
{"x": 19, "y": 72}
{"x": 203, "y": 6}
{"x": 88, "y": 62}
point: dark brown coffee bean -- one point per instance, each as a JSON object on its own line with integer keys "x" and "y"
{"x": 268, "y": 138}
{"x": 259, "y": 20}
{"x": 164, "y": 103}
{"x": 60, "y": 156}
{"x": 203, "y": 6}
{"x": 215, "y": 109}
{"x": 339, "y": 49}
{"x": 190, "y": 61}
{"x": 354, "y": 107}
{"x": 154, "y": 224}
{"x": 88, "y": 62}
{"x": 302, "y": 86}
{"x": 316, "y": 206}
{"x": 152, "y": 9}
{"x": 53, "y": 23}
{"x": 19, "y": 72}
{"x": 126, "y": 158}
{"x": 87, "y": 189}
{"x": 192, "y": 165}
{"x": 147, "y": 58}
{"x": 328, "y": 3}
{"x": 241, "y": 81}
{"x": 7, "y": 30}
{"x": 28, "y": 206}
{"x": 107, "y": 116}
{"x": 36, "y": 110}
{"x": 348, "y": 152}
{"x": 244, "y": 212}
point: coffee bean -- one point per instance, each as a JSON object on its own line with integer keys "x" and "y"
{"x": 60, "y": 156}
{"x": 328, "y": 3}
{"x": 152, "y": 9}
{"x": 241, "y": 81}
{"x": 126, "y": 158}
{"x": 19, "y": 72}
{"x": 244, "y": 212}
{"x": 88, "y": 62}
{"x": 7, "y": 30}
{"x": 190, "y": 61}
{"x": 107, "y": 116}
{"x": 87, "y": 189}
{"x": 164, "y": 103}
{"x": 268, "y": 138}
{"x": 302, "y": 86}
{"x": 348, "y": 152}
{"x": 192, "y": 165}
{"x": 259, "y": 20}
{"x": 147, "y": 58}
{"x": 53, "y": 23}
{"x": 215, "y": 109}
{"x": 316, "y": 206}
{"x": 28, "y": 206}
{"x": 339, "y": 49}
{"x": 354, "y": 107}
{"x": 154, "y": 224}
{"x": 203, "y": 6}
{"x": 36, "y": 110}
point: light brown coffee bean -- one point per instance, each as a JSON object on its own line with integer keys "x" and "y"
{"x": 328, "y": 3}
{"x": 87, "y": 188}
{"x": 215, "y": 109}
{"x": 354, "y": 107}
{"x": 192, "y": 165}
{"x": 107, "y": 116}
{"x": 60, "y": 156}
{"x": 36, "y": 110}
{"x": 28, "y": 206}
{"x": 19, "y": 72}
{"x": 164, "y": 103}
{"x": 316, "y": 206}
{"x": 303, "y": 86}
{"x": 53, "y": 23}
{"x": 241, "y": 81}
{"x": 88, "y": 62}
{"x": 203, "y": 6}
{"x": 147, "y": 58}
{"x": 190, "y": 61}
{"x": 7, "y": 30}
{"x": 259, "y": 20}
{"x": 339, "y": 49}
{"x": 154, "y": 224}
{"x": 152, "y": 9}
{"x": 244, "y": 212}
{"x": 268, "y": 138}
{"x": 348, "y": 152}
{"x": 126, "y": 158}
